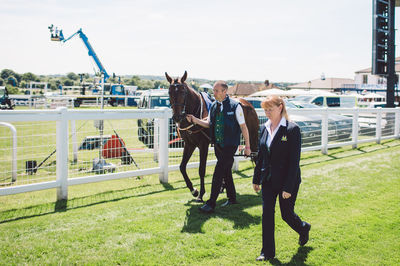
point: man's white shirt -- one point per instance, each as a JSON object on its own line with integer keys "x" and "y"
{"x": 238, "y": 113}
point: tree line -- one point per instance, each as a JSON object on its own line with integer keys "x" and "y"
{"x": 17, "y": 83}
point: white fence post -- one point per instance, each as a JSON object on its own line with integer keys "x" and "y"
{"x": 74, "y": 142}
{"x": 378, "y": 125}
{"x": 156, "y": 138}
{"x": 62, "y": 154}
{"x": 14, "y": 150}
{"x": 235, "y": 165}
{"x": 397, "y": 123}
{"x": 355, "y": 128}
{"x": 324, "y": 132}
{"x": 163, "y": 146}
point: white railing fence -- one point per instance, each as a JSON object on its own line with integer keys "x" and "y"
{"x": 42, "y": 149}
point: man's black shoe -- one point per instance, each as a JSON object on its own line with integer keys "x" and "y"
{"x": 206, "y": 208}
{"x": 262, "y": 257}
{"x": 228, "y": 203}
{"x": 303, "y": 239}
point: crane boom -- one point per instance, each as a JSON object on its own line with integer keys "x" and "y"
{"x": 59, "y": 36}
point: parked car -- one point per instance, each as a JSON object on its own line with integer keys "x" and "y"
{"x": 153, "y": 99}
{"x": 344, "y": 101}
{"x": 339, "y": 127}
{"x": 256, "y": 102}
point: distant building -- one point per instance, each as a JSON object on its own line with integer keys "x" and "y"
{"x": 365, "y": 82}
{"x": 328, "y": 84}
{"x": 245, "y": 89}
{"x": 364, "y": 76}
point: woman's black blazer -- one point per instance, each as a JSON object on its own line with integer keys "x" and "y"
{"x": 280, "y": 165}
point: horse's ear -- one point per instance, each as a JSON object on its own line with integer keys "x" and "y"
{"x": 168, "y": 78}
{"x": 184, "y": 77}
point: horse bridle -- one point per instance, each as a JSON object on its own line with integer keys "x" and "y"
{"x": 200, "y": 108}
{"x": 176, "y": 85}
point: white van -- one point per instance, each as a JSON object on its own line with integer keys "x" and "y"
{"x": 344, "y": 101}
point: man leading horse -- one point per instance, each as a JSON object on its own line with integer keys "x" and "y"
{"x": 226, "y": 121}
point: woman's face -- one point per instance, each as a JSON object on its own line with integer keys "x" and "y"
{"x": 273, "y": 112}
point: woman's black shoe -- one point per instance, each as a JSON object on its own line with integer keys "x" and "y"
{"x": 262, "y": 257}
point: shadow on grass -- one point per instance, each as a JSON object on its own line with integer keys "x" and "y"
{"x": 239, "y": 173}
{"x": 81, "y": 202}
{"x": 86, "y": 201}
{"x": 298, "y": 259}
{"x": 341, "y": 154}
{"x": 195, "y": 220}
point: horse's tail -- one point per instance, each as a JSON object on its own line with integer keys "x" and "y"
{"x": 252, "y": 123}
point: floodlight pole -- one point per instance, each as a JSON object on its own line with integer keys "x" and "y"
{"x": 391, "y": 72}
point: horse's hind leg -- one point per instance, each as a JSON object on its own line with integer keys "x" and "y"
{"x": 187, "y": 153}
{"x": 202, "y": 169}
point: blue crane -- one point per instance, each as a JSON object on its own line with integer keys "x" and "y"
{"x": 57, "y": 35}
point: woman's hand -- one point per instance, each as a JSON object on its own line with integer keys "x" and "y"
{"x": 286, "y": 195}
{"x": 256, "y": 187}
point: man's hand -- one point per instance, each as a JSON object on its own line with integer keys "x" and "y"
{"x": 286, "y": 195}
{"x": 256, "y": 187}
{"x": 189, "y": 118}
{"x": 247, "y": 151}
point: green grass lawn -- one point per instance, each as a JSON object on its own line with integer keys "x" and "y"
{"x": 351, "y": 198}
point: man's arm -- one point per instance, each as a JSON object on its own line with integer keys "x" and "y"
{"x": 201, "y": 122}
{"x": 245, "y": 133}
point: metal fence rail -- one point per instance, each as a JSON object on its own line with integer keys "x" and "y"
{"x": 42, "y": 149}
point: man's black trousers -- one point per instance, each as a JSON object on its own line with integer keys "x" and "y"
{"x": 223, "y": 171}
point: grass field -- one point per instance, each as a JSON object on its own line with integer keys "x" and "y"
{"x": 351, "y": 198}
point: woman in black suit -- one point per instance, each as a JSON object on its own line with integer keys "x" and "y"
{"x": 278, "y": 171}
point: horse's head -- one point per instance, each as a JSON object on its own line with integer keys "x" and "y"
{"x": 178, "y": 91}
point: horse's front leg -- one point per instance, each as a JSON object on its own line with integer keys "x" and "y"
{"x": 202, "y": 169}
{"x": 187, "y": 153}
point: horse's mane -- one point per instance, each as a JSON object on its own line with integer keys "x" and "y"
{"x": 198, "y": 95}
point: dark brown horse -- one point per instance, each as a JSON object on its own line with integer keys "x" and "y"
{"x": 185, "y": 100}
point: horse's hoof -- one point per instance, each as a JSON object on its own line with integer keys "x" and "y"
{"x": 195, "y": 192}
{"x": 199, "y": 200}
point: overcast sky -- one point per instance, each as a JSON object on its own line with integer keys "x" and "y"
{"x": 290, "y": 40}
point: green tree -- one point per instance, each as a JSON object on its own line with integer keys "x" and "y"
{"x": 68, "y": 82}
{"x": 22, "y": 84}
{"x": 29, "y": 76}
{"x": 146, "y": 84}
{"x": 134, "y": 81}
{"x": 5, "y": 73}
{"x": 72, "y": 76}
{"x": 12, "y": 90}
{"x": 158, "y": 84}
